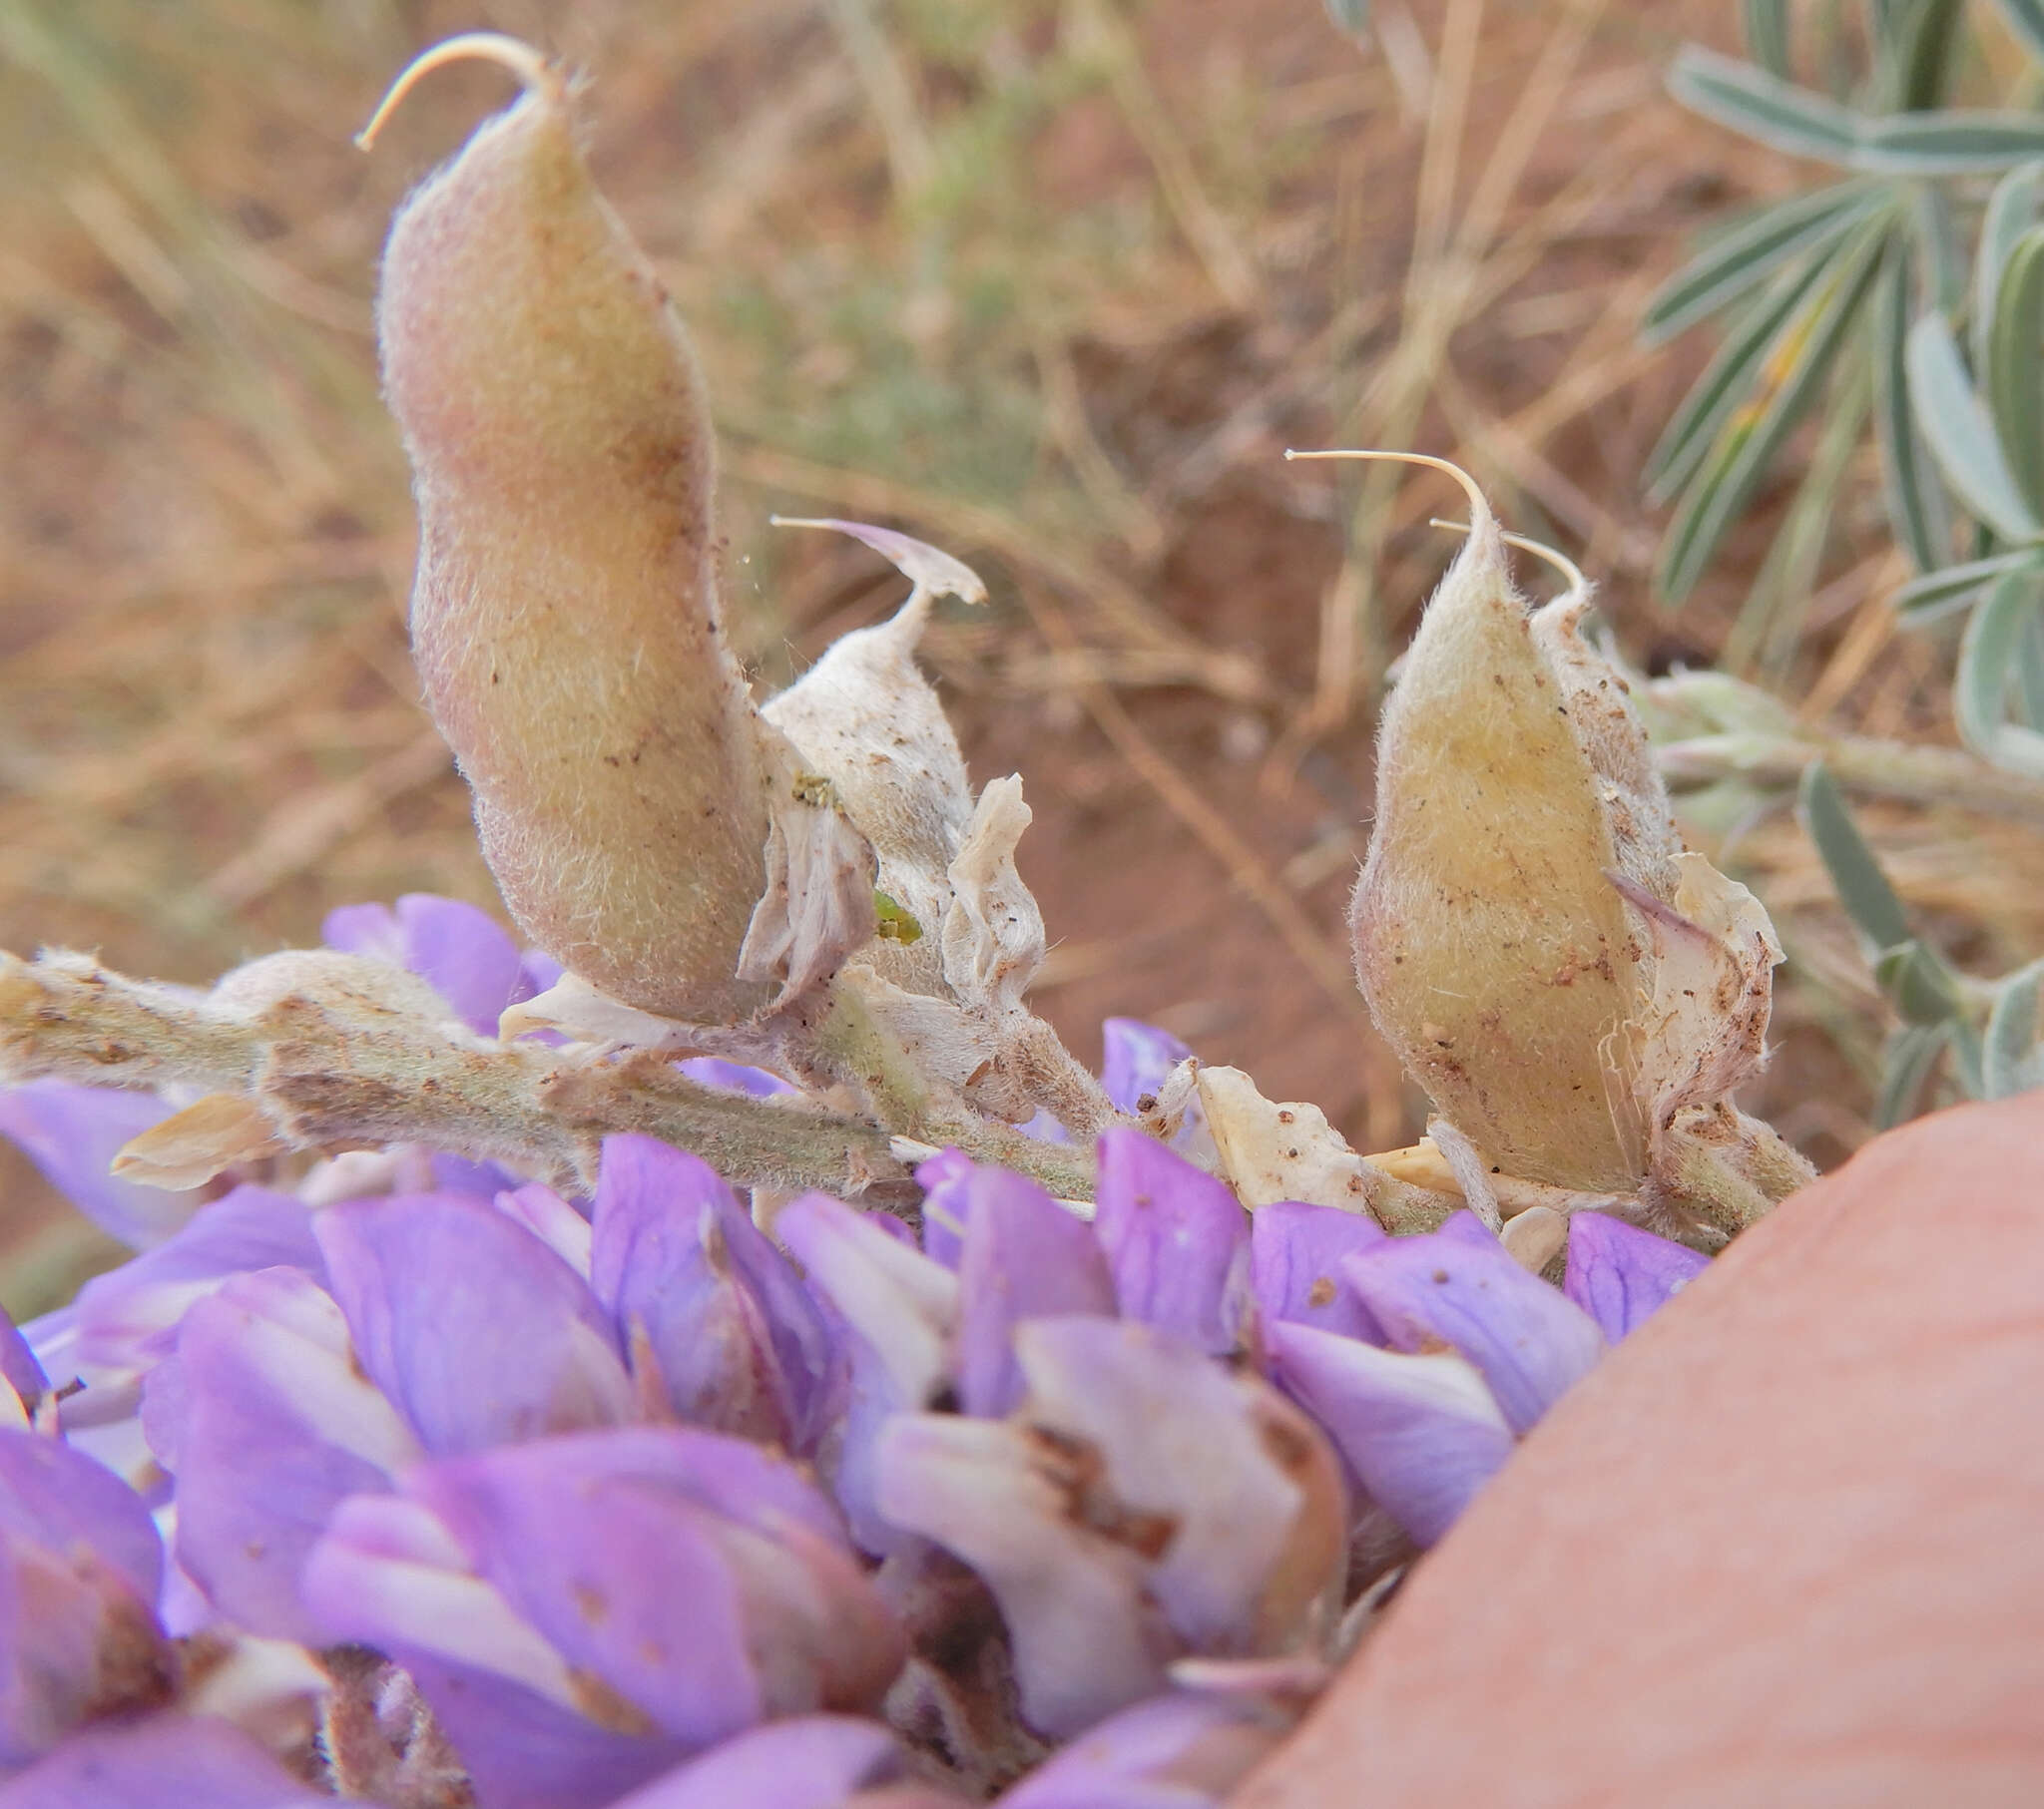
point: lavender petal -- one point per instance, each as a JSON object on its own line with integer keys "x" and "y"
{"x": 80, "y": 1565}
{"x": 1296, "y": 1260}
{"x": 264, "y": 1420}
{"x": 1247, "y": 1505}
{"x": 810, "y": 1762}
{"x": 127, "y": 1319}
{"x": 458, "y": 950}
{"x": 1138, "y": 1059}
{"x": 1421, "y": 1433}
{"x": 476, "y": 1331}
{"x": 1023, "y": 1258}
{"x": 699, "y": 1578}
{"x": 736, "y": 1077}
{"x": 72, "y": 1133}
{"x": 899, "y": 1312}
{"x": 1184, "y": 1750}
{"x": 1002, "y": 1497}
{"x": 946, "y": 1184}
{"x": 1620, "y": 1275}
{"x": 55, "y": 1497}
{"x": 733, "y": 1337}
{"x": 167, "y": 1762}
{"x": 1176, "y": 1241}
{"x": 1465, "y": 1290}
{"x": 532, "y": 1732}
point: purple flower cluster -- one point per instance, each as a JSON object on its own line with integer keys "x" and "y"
{"x": 629, "y": 1501}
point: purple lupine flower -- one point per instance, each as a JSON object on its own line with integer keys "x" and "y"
{"x": 1620, "y": 1275}
{"x": 163, "y": 1761}
{"x": 127, "y": 1319}
{"x": 1296, "y": 1261}
{"x": 699, "y": 1575}
{"x": 1178, "y": 1241}
{"x": 1253, "y": 1501}
{"x": 736, "y": 1076}
{"x": 1184, "y": 1750}
{"x": 531, "y": 1732}
{"x": 1460, "y": 1287}
{"x": 80, "y": 1567}
{"x": 809, "y": 1762}
{"x": 266, "y": 1421}
{"x": 460, "y": 952}
{"x": 1143, "y": 1502}
{"x": 552, "y": 1220}
{"x": 1043, "y": 1127}
{"x": 72, "y": 1133}
{"x": 471, "y": 1326}
{"x": 704, "y": 1299}
{"x": 541, "y": 973}
{"x": 1023, "y": 1256}
{"x": 1137, "y": 1058}
{"x": 1006, "y": 1501}
{"x": 665, "y": 1584}
{"x": 899, "y": 1313}
{"x": 946, "y": 1184}
{"x": 1420, "y": 1433}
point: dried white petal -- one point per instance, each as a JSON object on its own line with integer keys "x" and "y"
{"x": 1271, "y": 1151}
{"x": 993, "y": 939}
{"x": 1704, "y": 1029}
{"x": 1535, "y": 1237}
{"x": 188, "y": 1148}
{"x": 865, "y": 716}
{"x": 818, "y": 904}
{"x": 580, "y": 1012}
{"x": 1472, "y": 1175}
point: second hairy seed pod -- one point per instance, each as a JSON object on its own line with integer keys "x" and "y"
{"x": 1494, "y": 951}
{"x": 565, "y": 615}
{"x": 1577, "y": 992}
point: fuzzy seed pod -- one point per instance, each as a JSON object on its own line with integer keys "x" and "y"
{"x": 1575, "y": 991}
{"x": 565, "y": 615}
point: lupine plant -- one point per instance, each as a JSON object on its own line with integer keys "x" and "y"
{"x": 719, "y": 1345}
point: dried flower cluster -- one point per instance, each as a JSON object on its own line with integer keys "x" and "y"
{"x": 739, "y": 1355}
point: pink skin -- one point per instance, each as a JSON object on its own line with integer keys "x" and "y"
{"x": 1785, "y": 1547}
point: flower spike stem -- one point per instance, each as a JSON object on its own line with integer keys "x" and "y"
{"x": 323, "y": 1083}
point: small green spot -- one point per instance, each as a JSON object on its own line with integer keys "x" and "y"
{"x": 813, "y": 789}
{"x": 896, "y": 923}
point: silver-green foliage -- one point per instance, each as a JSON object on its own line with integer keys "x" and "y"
{"x": 1858, "y": 290}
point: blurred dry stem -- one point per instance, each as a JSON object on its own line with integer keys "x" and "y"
{"x": 1051, "y": 285}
